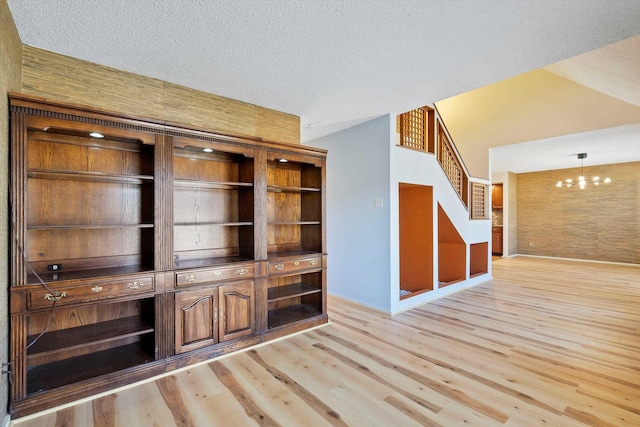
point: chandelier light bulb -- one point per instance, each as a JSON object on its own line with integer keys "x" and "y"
{"x": 582, "y": 181}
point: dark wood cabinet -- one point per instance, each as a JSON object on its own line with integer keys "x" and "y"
{"x": 236, "y": 310}
{"x": 215, "y": 314}
{"x": 496, "y": 240}
{"x": 496, "y": 196}
{"x": 139, "y": 247}
{"x": 196, "y": 319}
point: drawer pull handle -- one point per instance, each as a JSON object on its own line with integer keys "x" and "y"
{"x": 296, "y": 263}
{"x": 96, "y": 289}
{"x": 135, "y": 285}
{"x": 314, "y": 261}
{"x": 279, "y": 266}
{"x": 191, "y": 278}
{"x": 56, "y": 296}
{"x": 217, "y": 273}
{"x": 242, "y": 271}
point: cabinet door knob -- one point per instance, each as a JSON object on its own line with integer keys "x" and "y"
{"x": 96, "y": 289}
{"x": 279, "y": 266}
{"x": 135, "y": 285}
{"x": 191, "y": 278}
{"x": 56, "y": 296}
{"x": 242, "y": 271}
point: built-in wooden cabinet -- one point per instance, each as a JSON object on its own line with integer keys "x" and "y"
{"x": 496, "y": 196}
{"x": 213, "y": 203}
{"x": 139, "y": 247}
{"x": 66, "y": 172}
{"x": 294, "y": 205}
{"x": 210, "y": 315}
{"x": 295, "y": 289}
{"x": 496, "y": 240}
{"x": 84, "y": 342}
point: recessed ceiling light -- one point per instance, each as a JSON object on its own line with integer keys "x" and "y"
{"x": 96, "y": 135}
{"x": 208, "y": 150}
{"x": 283, "y": 160}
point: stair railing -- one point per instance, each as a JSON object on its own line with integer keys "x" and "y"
{"x": 422, "y": 129}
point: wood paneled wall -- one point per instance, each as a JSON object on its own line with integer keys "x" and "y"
{"x": 10, "y": 59}
{"x": 598, "y": 223}
{"x": 62, "y": 78}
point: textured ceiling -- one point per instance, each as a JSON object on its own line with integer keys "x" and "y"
{"x": 333, "y": 63}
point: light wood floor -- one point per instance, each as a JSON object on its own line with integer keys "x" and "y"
{"x": 547, "y": 342}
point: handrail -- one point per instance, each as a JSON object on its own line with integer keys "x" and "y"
{"x": 452, "y": 167}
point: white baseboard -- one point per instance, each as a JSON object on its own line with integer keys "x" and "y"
{"x": 6, "y": 420}
{"x": 576, "y": 259}
{"x": 361, "y": 304}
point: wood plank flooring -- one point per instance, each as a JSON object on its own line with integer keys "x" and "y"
{"x": 547, "y": 342}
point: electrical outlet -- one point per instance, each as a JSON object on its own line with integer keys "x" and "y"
{"x": 54, "y": 267}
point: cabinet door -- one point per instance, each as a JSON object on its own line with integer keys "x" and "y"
{"x": 496, "y": 243}
{"x": 237, "y": 310}
{"x": 196, "y": 318}
{"x": 496, "y": 197}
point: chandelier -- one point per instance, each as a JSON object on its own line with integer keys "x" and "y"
{"x": 582, "y": 181}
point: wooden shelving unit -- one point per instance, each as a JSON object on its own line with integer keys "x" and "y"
{"x": 294, "y": 205}
{"x": 213, "y": 204}
{"x": 292, "y": 297}
{"x": 151, "y": 247}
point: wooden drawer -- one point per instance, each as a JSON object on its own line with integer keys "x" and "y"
{"x": 279, "y": 267}
{"x": 194, "y": 277}
{"x": 496, "y": 230}
{"x": 43, "y": 298}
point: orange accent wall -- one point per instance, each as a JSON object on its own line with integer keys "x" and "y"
{"x": 452, "y": 252}
{"x": 416, "y": 237}
{"x": 478, "y": 258}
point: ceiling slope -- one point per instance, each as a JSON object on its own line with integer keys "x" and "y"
{"x": 532, "y": 106}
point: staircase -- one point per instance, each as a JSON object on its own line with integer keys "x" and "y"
{"x": 460, "y": 242}
{"x": 422, "y": 129}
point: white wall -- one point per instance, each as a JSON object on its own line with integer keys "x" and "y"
{"x": 364, "y": 164}
{"x": 358, "y": 232}
{"x": 415, "y": 167}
